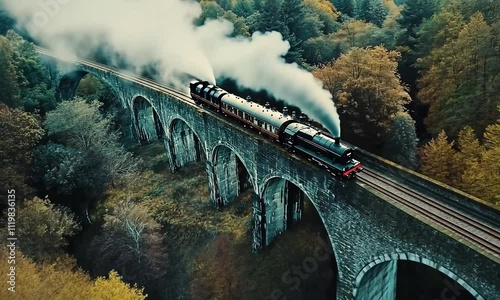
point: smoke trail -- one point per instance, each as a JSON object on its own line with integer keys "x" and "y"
{"x": 258, "y": 63}
{"x": 161, "y": 33}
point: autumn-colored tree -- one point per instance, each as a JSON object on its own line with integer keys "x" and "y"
{"x": 472, "y": 167}
{"x": 215, "y": 273}
{"x": 19, "y": 133}
{"x": 240, "y": 27}
{"x": 210, "y": 10}
{"x": 327, "y": 15}
{"x": 367, "y": 90}
{"x": 469, "y": 149}
{"x": 132, "y": 243}
{"x": 480, "y": 163}
{"x": 401, "y": 140}
{"x": 491, "y": 164}
{"x": 114, "y": 288}
{"x": 438, "y": 160}
{"x": 461, "y": 81}
{"x": 44, "y": 229}
{"x": 354, "y": 33}
{"x": 60, "y": 281}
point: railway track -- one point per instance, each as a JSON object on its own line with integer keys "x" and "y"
{"x": 129, "y": 77}
{"x": 474, "y": 231}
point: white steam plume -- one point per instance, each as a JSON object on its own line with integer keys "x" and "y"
{"x": 161, "y": 32}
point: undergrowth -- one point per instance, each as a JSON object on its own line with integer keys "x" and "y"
{"x": 180, "y": 202}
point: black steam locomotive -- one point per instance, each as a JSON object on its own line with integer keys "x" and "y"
{"x": 317, "y": 146}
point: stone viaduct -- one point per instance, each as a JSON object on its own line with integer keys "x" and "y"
{"x": 367, "y": 233}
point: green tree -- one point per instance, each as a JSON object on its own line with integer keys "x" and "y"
{"x": 461, "y": 80}
{"x": 294, "y": 15}
{"x": 413, "y": 14}
{"x": 44, "y": 229}
{"x": 32, "y": 76}
{"x": 225, "y": 4}
{"x": 9, "y": 89}
{"x": 372, "y": 11}
{"x": 435, "y": 32}
{"x": 401, "y": 140}
{"x": 90, "y": 157}
{"x": 20, "y": 132}
{"x": 243, "y": 8}
{"x": 320, "y": 50}
{"x": 253, "y": 22}
{"x": 66, "y": 171}
{"x": 346, "y": 7}
{"x": 271, "y": 17}
{"x": 438, "y": 159}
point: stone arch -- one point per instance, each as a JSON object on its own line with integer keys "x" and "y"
{"x": 231, "y": 174}
{"x": 185, "y": 143}
{"x": 281, "y": 204}
{"x": 387, "y": 263}
{"x": 68, "y": 85}
{"x": 147, "y": 120}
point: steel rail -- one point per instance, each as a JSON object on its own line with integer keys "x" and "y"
{"x": 447, "y": 224}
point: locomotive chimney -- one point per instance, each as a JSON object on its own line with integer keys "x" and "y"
{"x": 267, "y": 105}
{"x": 249, "y": 98}
{"x": 285, "y": 111}
{"x": 294, "y": 115}
{"x": 337, "y": 140}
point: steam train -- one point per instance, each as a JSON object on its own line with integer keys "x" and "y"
{"x": 295, "y": 136}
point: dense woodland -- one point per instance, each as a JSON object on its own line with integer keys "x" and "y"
{"x": 417, "y": 81}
